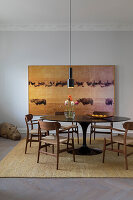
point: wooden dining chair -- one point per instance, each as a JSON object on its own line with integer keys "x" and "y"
{"x": 32, "y": 132}
{"x": 97, "y": 128}
{"x": 52, "y": 140}
{"x": 120, "y": 139}
{"x": 73, "y": 128}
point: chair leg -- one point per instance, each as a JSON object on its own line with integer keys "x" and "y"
{"x": 47, "y": 133}
{"x": 26, "y": 145}
{"x": 126, "y": 163}
{"x": 73, "y": 150}
{"x": 125, "y": 155}
{"x": 118, "y": 148}
{"x": 68, "y": 140}
{"x": 90, "y": 135}
{"x": 94, "y": 135}
{"x": 104, "y": 148}
{"x": 57, "y": 166}
{"x": 77, "y": 135}
{"x": 38, "y": 152}
{"x": 30, "y": 140}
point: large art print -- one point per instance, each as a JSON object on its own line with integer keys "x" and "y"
{"x": 94, "y": 88}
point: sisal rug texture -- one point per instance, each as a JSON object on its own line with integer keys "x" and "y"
{"x": 18, "y": 164}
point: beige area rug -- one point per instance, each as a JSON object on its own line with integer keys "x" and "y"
{"x": 18, "y": 164}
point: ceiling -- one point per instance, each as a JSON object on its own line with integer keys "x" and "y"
{"x": 86, "y": 14}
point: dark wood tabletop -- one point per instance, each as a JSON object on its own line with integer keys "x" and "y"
{"x": 84, "y": 118}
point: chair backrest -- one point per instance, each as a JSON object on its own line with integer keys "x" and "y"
{"x": 28, "y": 118}
{"x": 49, "y": 126}
{"x": 128, "y": 125}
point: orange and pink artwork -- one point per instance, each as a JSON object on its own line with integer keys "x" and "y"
{"x": 94, "y": 88}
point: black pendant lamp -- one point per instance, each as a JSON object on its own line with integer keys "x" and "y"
{"x": 70, "y": 81}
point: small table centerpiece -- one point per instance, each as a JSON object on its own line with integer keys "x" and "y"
{"x": 69, "y": 111}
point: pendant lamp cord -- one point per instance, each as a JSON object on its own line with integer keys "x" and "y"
{"x": 70, "y": 33}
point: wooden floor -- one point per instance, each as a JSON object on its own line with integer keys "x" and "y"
{"x": 62, "y": 189}
{"x": 66, "y": 189}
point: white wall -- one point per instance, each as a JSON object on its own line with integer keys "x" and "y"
{"x": 20, "y": 49}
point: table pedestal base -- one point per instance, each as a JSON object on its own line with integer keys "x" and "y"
{"x": 87, "y": 151}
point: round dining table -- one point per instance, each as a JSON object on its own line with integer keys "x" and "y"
{"x": 84, "y": 121}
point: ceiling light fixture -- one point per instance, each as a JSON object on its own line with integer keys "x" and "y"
{"x": 70, "y": 81}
